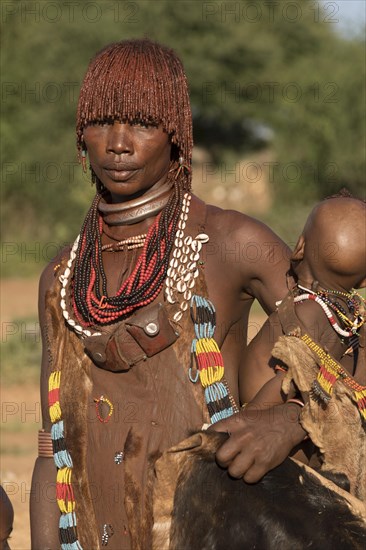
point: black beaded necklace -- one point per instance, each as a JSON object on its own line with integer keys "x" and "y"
{"x": 91, "y": 303}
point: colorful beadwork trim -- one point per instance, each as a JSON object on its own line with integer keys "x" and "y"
{"x": 100, "y": 400}
{"x": 60, "y": 453}
{"x": 208, "y": 360}
{"x": 329, "y": 372}
{"x": 63, "y": 461}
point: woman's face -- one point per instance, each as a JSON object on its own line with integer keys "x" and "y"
{"x": 128, "y": 158}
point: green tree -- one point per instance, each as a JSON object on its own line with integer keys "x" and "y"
{"x": 255, "y": 67}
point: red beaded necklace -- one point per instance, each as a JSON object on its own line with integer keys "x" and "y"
{"x": 89, "y": 298}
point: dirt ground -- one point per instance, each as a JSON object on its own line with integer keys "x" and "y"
{"x": 20, "y": 422}
{"x": 20, "y": 414}
{"x": 20, "y": 417}
{"x": 19, "y": 298}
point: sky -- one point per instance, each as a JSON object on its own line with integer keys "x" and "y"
{"x": 351, "y": 15}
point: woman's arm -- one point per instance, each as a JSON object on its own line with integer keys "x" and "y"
{"x": 44, "y": 512}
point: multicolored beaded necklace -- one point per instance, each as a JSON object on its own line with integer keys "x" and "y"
{"x": 353, "y": 305}
{"x": 322, "y": 298}
{"x": 90, "y": 301}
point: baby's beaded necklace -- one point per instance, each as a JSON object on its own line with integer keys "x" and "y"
{"x": 325, "y": 303}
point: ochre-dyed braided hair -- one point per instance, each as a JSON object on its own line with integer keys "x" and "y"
{"x": 139, "y": 80}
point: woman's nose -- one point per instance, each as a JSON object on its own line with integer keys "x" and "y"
{"x": 120, "y": 138}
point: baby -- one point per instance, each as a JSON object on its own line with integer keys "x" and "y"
{"x": 318, "y": 325}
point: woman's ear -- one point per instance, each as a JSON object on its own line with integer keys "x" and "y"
{"x": 298, "y": 253}
{"x": 174, "y": 154}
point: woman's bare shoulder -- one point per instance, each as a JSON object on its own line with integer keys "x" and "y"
{"x": 49, "y": 273}
{"x": 237, "y": 224}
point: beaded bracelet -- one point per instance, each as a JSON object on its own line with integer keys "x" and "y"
{"x": 98, "y": 401}
{"x": 297, "y": 401}
{"x": 281, "y": 369}
{"x": 302, "y": 404}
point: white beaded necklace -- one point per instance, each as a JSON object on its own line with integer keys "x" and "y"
{"x": 183, "y": 270}
{"x": 310, "y": 295}
{"x": 64, "y": 278}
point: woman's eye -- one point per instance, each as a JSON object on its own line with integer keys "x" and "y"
{"x": 144, "y": 124}
{"x": 140, "y": 123}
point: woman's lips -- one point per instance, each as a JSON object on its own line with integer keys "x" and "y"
{"x": 120, "y": 174}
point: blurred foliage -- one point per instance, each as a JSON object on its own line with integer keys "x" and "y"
{"x": 21, "y": 353}
{"x": 256, "y": 69}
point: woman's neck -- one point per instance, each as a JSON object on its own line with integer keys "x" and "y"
{"x": 135, "y": 210}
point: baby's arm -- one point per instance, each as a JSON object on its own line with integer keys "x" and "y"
{"x": 261, "y": 375}
{"x": 271, "y": 393}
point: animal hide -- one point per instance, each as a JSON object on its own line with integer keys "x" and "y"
{"x": 336, "y": 429}
{"x": 68, "y": 351}
{"x": 198, "y": 505}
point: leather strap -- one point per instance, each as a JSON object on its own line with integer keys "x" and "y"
{"x": 144, "y": 334}
{"x": 287, "y": 316}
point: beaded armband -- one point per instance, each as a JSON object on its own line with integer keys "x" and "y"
{"x": 209, "y": 361}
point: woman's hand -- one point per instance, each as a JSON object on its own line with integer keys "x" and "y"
{"x": 260, "y": 439}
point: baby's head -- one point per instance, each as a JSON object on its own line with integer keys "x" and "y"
{"x": 332, "y": 247}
